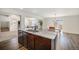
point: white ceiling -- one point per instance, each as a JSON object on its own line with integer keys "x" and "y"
{"x": 52, "y": 12}
{"x": 43, "y": 12}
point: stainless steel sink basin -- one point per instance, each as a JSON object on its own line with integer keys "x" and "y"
{"x": 33, "y": 30}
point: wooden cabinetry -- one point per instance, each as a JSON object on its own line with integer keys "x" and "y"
{"x": 25, "y": 39}
{"x": 30, "y": 40}
{"x": 34, "y": 42}
{"x": 42, "y": 43}
{"x": 38, "y": 43}
{"x": 22, "y": 39}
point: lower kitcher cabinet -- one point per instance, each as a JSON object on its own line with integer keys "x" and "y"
{"x": 42, "y": 43}
{"x": 20, "y": 38}
{"x": 30, "y": 40}
{"x": 35, "y": 42}
{"x": 25, "y": 41}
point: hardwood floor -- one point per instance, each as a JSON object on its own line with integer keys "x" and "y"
{"x": 22, "y": 47}
{"x": 67, "y": 41}
{"x": 10, "y": 44}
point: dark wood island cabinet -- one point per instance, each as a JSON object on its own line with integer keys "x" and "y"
{"x": 38, "y": 43}
{"x": 30, "y": 41}
{"x": 22, "y": 38}
{"x": 42, "y": 43}
{"x": 34, "y": 42}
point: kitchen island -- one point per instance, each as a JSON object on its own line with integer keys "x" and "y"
{"x": 41, "y": 40}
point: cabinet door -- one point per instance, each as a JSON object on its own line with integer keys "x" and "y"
{"x": 20, "y": 37}
{"x": 42, "y": 43}
{"x": 37, "y": 43}
{"x": 30, "y": 40}
{"x": 25, "y": 39}
{"x": 20, "y": 40}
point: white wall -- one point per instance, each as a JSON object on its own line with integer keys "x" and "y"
{"x": 4, "y": 24}
{"x": 71, "y": 24}
{"x": 3, "y": 18}
{"x": 4, "y": 21}
{"x": 48, "y": 22}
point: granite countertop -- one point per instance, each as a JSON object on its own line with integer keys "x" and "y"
{"x": 44, "y": 33}
{"x": 8, "y": 35}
